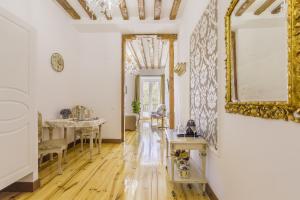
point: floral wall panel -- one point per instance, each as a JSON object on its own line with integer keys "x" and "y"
{"x": 203, "y": 80}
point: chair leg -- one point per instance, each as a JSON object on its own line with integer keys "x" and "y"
{"x": 65, "y": 155}
{"x": 81, "y": 142}
{"x": 41, "y": 159}
{"x": 59, "y": 156}
{"x": 99, "y": 139}
{"x": 74, "y": 140}
{"x": 91, "y": 146}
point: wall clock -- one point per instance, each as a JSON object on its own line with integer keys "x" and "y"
{"x": 57, "y": 62}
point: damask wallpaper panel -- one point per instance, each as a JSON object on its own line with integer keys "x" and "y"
{"x": 203, "y": 76}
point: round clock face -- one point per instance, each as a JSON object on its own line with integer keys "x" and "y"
{"x": 57, "y": 62}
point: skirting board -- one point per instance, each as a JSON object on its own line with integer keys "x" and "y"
{"x": 22, "y": 187}
{"x": 117, "y": 141}
{"x": 210, "y": 193}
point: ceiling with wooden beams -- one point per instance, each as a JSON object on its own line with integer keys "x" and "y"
{"x": 258, "y": 8}
{"x": 128, "y": 9}
{"x": 147, "y": 52}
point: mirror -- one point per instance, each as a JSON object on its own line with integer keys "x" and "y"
{"x": 259, "y": 51}
{"x": 263, "y": 58}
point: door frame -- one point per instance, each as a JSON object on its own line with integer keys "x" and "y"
{"x": 171, "y": 38}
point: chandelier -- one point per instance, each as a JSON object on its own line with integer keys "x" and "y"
{"x": 101, "y": 7}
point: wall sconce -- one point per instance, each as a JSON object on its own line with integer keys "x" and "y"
{"x": 180, "y": 68}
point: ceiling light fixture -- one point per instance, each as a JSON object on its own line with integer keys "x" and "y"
{"x": 101, "y": 7}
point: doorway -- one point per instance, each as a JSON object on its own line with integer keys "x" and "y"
{"x": 143, "y": 53}
{"x": 150, "y": 95}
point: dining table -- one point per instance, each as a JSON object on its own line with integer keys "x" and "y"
{"x": 77, "y": 123}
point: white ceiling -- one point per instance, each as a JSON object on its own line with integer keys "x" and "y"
{"x": 148, "y": 52}
{"x": 134, "y": 24}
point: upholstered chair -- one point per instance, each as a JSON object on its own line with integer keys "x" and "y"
{"x": 160, "y": 113}
{"x": 82, "y": 113}
{"x": 51, "y": 146}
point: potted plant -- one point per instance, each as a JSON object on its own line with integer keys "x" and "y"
{"x": 136, "y": 107}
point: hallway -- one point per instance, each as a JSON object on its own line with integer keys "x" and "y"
{"x": 133, "y": 171}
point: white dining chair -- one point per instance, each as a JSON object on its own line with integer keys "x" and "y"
{"x": 51, "y": 146}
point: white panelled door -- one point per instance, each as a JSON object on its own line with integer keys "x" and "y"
{"x": 16, "y": 100}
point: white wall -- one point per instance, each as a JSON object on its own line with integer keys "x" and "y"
{"x": 151, "y": 72}
{"x": 20, "y": 8}
{"x": 257, "y": 159}
{"x": 167, "y": 92}
{"x": 257, "y": 55}
{"x": 55, "y": 34}
{"x": 130, "y": 93}
{"x": 192, "y": 13}
{"x": 100, "y": 78}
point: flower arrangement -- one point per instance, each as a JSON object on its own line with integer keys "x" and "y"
{"x": 182, "y": 162}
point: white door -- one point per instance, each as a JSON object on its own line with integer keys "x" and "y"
{"x": 150, "y": 94}
{"x": 16, "y": 100}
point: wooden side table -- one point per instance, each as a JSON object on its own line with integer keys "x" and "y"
{"x": 186, "y": 143}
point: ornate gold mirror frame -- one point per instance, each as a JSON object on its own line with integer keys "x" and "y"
{"x": 270, "y": 109}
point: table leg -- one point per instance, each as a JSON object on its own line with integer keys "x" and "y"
{"x": 74, "y": 138}
{"x": 99, "y": 139}
{"x": 81, "y": 142}
{"x": 91, "y": 146}
{"x": 167, "y": 146}
{"x": 65, "y": 155}
{"x": 50, "y": 129}
{"x": 65, "y": 133}
{"x": 203, "y": 168}
{"x": 59, "y": 155}
{"x": 172, "y": 163}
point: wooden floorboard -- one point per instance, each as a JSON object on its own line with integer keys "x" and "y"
{"x": 134, "y": 170}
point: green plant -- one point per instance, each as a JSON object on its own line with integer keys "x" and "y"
{"x": 136, "y": 106}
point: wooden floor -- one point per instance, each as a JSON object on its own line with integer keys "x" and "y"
{"x": 132, "y": 171}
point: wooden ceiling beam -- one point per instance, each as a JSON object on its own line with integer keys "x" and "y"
{"x": 152, "y": 52}
{"x": 144, "y": 53}
{"x": 107, "y": 15}
{"x": 264, "y": 7}
{"x": 244, "y": 7}
{"x": 175, "y": 8}
{"x": 162, "y": 44}
{"x": 69, "y": 9}
{"x": 277, "y": 9}
{"x": 87, "y": 9}
{"x": 157, "y": 9}
{"x": 141, "y": 5}
{"x": 123, "y": 9}
{"x": 135, "y": 55}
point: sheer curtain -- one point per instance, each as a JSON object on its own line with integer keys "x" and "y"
{"x": 137, "y": 88}
{"x": 162, "y": 89}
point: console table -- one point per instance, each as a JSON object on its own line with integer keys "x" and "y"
{"x": 197, "y": 171}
